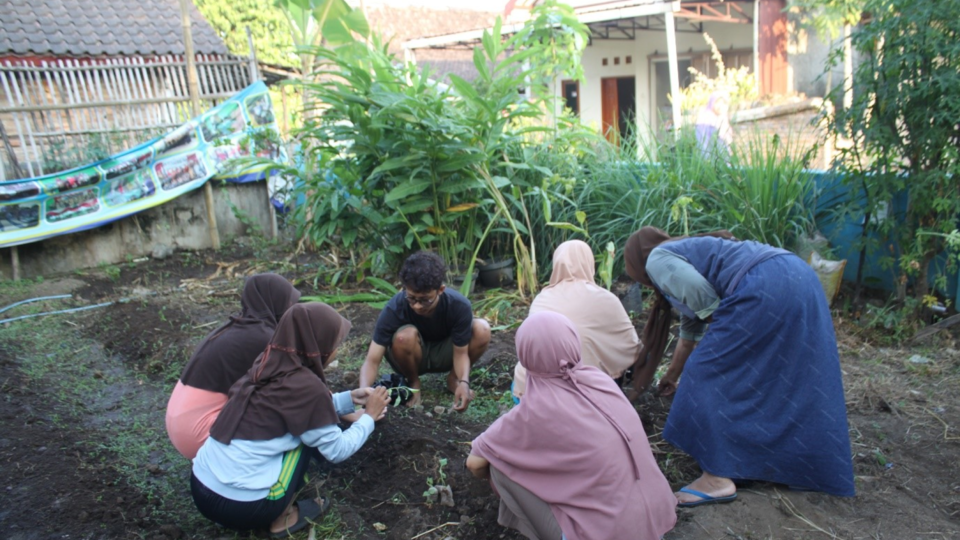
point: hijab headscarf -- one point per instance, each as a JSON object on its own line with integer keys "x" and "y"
{"x": 656, "y": 332}
{"x": 607, "y": 338}
{"x": 285, "y": 390}
{"x": 577, "y": 443}
{"x": 229, "y": 351}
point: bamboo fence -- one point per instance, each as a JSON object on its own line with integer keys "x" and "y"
{"x": 52, "y": 108}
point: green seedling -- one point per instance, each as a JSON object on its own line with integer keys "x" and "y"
{"x": 435, "y": 487}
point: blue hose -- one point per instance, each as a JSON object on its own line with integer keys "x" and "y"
{"x": 84, "y": 308}
{"x": 11, "y": 306}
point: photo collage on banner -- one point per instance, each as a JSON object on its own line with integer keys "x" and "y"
{"x": 146, "y": 176}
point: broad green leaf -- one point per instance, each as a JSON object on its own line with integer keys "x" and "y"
{"x": 547, "y": 210}
{"x": 480, "y": 62}
{"x": 568, "y": 226}
{"x": 460, "y": 185}
{"x": 393, "y": 163}
{"x": 407, "y": 188}
{"x": 500, "y": 182}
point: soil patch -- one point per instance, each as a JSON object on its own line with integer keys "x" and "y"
{"x": 66, "y": 469}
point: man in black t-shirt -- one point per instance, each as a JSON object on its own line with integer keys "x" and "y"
{"x": 427, "y": 328}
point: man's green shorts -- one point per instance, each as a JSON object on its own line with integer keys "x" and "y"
{"x": 437, "y": 355}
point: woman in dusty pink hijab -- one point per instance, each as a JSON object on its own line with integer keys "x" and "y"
{"x": 572, "y": 460}
{"x": 607, "y": 337}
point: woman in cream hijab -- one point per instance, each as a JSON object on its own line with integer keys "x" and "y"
{"x": 607, "y": 336}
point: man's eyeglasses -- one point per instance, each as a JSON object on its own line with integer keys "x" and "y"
{"x": 422, "y": 301}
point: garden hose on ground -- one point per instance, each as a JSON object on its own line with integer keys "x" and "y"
{"x": 11, "y": 306}
{"x": 72, "y": 310}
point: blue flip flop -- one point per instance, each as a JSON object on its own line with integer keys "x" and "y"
{"x": 704, "y": 498}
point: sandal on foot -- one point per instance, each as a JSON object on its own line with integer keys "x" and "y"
{"x": 307, "y": 511}
{"x": 704, "y": 498}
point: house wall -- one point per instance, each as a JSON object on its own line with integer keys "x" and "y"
{"x": 809, "y": 56}
{"x": 180, "y": 224}
{"x": 647, "y": 45}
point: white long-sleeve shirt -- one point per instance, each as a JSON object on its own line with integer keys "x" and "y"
{"x": 245, "y": 470}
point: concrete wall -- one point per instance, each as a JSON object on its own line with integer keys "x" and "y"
{"x": 809, "y": 57}
{"x": 180, "y": 223}
{"x": 649, "y": 44}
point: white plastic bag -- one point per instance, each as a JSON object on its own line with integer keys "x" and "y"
{"x": 830, "y": 274}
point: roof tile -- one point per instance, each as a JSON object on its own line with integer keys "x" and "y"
{"x": 399, "y": 24}
{"x": 82, "y": 24}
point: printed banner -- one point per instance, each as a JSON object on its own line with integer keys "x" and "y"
{"x": 151, "y": 174}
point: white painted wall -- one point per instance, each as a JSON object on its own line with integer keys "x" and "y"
{"x": 647, "y": 44}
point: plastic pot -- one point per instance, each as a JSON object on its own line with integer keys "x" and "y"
{"x": 455, "y": 278}
{"x": 497, "y": 273}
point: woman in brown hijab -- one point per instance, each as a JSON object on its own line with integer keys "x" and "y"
{"x": 761, "y": 396}
{"x": 222, "y": 358}
{"x": 280, "y": 414}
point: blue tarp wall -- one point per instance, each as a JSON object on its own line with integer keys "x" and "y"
{"x": 844, "y": 233}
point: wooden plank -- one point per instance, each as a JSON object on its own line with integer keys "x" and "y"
{"x": 85, "y": 79}
{"x": 183, "y": 89}
{"x": 130, "y": 91}
{"x": 15, "y": 263}
{"x": 85, "y": 118}
{"x": 164, "y": 86}
{"x": 150, "y": 74}
{"x": 170, "y": 89}
{"x": 136, "y": 77}
{"x": 227, "y": 84}
{"x": 204, "y": 86}
{"x": 17, "y": 171}
{"x": 123, "y": 91}
{"x": 62, "y": 95}
{"x": 111, "y": 129}
{"x": 13, "y": 93}
{"x": 42, "y": 90}
{"x": 25, "y": 109}
{"x": 98, "y": 85}
{"x": 121, "y": 115}
{"x": 252, "y": 63}
{"x": 195, "y": 102}
{"x": 29, "y": 97}
{"x": 215, "y": 79}
{"x": 62, "y": 116}
{"x": 936, "y": 327}
{"x": 94, "y": 67}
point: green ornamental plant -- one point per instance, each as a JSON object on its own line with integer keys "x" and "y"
{"x": 904, "y": 159}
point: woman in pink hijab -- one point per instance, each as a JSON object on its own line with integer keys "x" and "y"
{"x": 572, "y": 460}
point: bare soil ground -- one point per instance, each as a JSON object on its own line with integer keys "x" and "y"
{"x": 84, "y": 455}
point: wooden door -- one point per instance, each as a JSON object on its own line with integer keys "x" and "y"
{"x": 772, "y": 47}
{"x": 609, "y": 108}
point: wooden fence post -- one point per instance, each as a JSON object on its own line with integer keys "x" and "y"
{"x": 17, "y": 172}
{"x": 15, "y": 262}
{"x": 254, "y": 77}
{"x": 194, "y": 88}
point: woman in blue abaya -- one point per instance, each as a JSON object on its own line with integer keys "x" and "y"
{"x": 762, "y": 397}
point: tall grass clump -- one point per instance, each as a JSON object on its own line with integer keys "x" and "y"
{"x": 759, "y": 189}
{"x": 762, "y": 193}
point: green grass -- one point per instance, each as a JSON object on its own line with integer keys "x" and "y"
{"x": 117, "y": 411}
{"x": 9, "y": 287}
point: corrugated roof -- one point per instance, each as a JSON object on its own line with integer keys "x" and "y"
{"x": 82, "y": 28}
